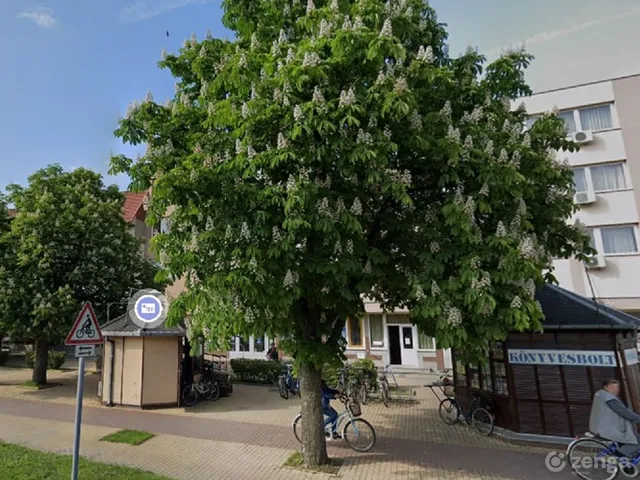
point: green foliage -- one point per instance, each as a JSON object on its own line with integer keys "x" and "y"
{"x": 365, "y": 370}
{"x": 4, "y": 356}
{"x": 55, "y": 360}
{"x": 67, "y": 244}
{"x": 335, "y": 151}
{"x": 256, "y": 371}
{"x": 129, "y": 437}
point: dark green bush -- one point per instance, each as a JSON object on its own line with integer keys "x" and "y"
{"x": 55, "y": 361}
{"x": 256, "y": 371}
{"x": 4, "y": 355}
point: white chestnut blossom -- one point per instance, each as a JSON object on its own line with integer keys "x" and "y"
{"x": 228, "y": 234}
{"x": 400, "y": 85}
{"x": 297, "y": 113}
{"x": 290, "y": 56}
{"x": 311, "y": 7}
{"x": 454, "y": 316}
{"x": 164, "y": 54}
{"x": 501, "y": 231}
{"x": 245, "y": 233}
{"x": 282, "y": 142}
{"x": 515, "y": 158}
{"x": 435, "y": 289}
{"x": 323, "y": 207}
{"x": 503, "y": 157}
{"x": 335, "y": 5}
{"x": 242, "y": 62}
{"x": 347, "y": 98}
{"x": 425, "y": 54}
{"x": 484, "y": 191}
{"x": 245, "y": 110}
{"x": 239, "y": 147}
{"x": 276, "y": 234}
{"x": 347, "y": 25}
{"x": 277, "y": 95}
{"x": 415, "y": 120}
{"x": 488, "y": 148}
{"x": 419, "y": 295}
{"x": 317, "y": 96}
{"x": 446, "y": 110}
{"x": 337, "y": 248}
{"x": 311, "y": 59}
{"x": 526, "y": 140}
{"x": 251, "y": 152}
{"x": 434, "y": 247}
{"x": 356, "y": 208}
{"x": 289, "y": 280}
{"x": 373, "y": 121}
{"x": 325, "y": 28}
{"x": 527, "y": 249}
{"x": 516, "y": 302}
{"x": 387, "y": 29}
{"x": 255, "y": 44}
{"x": 387, "y": 132}
{"x": 506, "y": 126}
{"x": 367, "y": 268}
{"x": 453, "y": 134}
{"x": 349, "y": 246}
{"x": 364, "y": 138}
{"x": 358, "y": 23}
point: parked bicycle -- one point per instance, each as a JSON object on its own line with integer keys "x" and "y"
{"x": 385, "y": 391}
{"x": 357, "y": 432}
{"x": 450, "y": 408}
{"x": 200, "y": 388}
{"x": 287, "y": 383}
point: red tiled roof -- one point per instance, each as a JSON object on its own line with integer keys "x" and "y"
{"x": 12, "y": 212}
{"x": 132, "y": 205}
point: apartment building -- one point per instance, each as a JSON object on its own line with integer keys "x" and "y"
{"x": 604, "y": 119}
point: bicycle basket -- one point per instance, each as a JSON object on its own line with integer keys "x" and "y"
{"x": 354, "y": 409}
{"x": 449, "y": 391}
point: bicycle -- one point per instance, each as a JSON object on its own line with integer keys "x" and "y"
{"x": 353, "y": 429}
{"x": 450, "y": 410}
{"x": 601, "y": 459}
{"x": 286, "y": 383}
{"x": 385, "y": 394}
{"x": 87, "y": 327}
{"x": 200, "y": 388}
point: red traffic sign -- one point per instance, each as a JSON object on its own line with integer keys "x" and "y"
{"x": 85, "y": 330}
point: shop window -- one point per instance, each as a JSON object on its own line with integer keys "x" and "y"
{"x": 497, "y": 352}
{"x": 474, "y": 374}
{"x": 244, "y": 344}
{"x": 232, "y": 344}
{"x": 461, "y": 374}
{"x": 426, "y": 342}
{"x": 376, "y": 330}
{"x": 354, "y": 331}
{"x": 398, "y": 318}
{"x": 500, "y": 378}
{"x": 485, "y": 377}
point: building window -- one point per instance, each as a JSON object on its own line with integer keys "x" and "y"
{"x": 618, "y": 240}
{"x": 474, "y": 374}
{"x": 258, "y": 344}
{"x": 485, "y": 374}
{"x": 569, "y": 121}
{"x": 608, "y": 177}
{"x": 165, "y": 225}
{"x": 461, "y": 374}
{"x": 233, "y": 345}
{"x": 354, "y": 332}
{"x": 376, "y": 330}
{"x": 531, "y": 120}
{"x": 500, "y": 376}
{"x": 426, "y": 342}
{"x": 244, "y": 344}
{"x": 398, "y": 318}
{"x": 596, "y": 118}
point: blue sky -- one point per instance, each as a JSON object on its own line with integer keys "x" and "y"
{"x": 70, "y": 67}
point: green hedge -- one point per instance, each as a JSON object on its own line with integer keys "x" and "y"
{"x": 256, "y": 371}
{"x": 4, "y": 355}
{"x": 56, "y": 359}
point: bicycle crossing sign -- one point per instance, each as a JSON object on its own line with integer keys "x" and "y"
{"x": 85, "y": 330}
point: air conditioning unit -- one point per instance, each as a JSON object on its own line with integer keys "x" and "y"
{"x": 584, "y": 198}
{"x": 596, "y": 262}
{"x": 583, "y": 137}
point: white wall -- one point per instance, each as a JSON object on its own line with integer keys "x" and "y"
{"x": 569, "y": 98}
{"x": 606, "y": 146}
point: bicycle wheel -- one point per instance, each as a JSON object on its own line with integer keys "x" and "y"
{"x": 449, "y": 411}
{"x": 207, "y": 390}
{"x": 359, "y": 435}
{"x": 590, "y": 459}
{"x": 384, "y": 393}
{"x": 364, "y": 394}
{"x": 282, "y": 388}
{"x": 482, "y": 421}
{"x": 189, "y": 396}
{"x": 215, "y": 391}
{"x": 297, "y": 428}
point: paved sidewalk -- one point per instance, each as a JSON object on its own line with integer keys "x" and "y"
{"x": 200, "y": 448}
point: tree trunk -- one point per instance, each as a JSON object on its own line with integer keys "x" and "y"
{"x": 39, "y": 375}
{"x": 314, "y": 444}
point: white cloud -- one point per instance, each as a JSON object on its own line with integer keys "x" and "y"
{"x": 141, "y": 10}
{"x": 562, "y": 32}
{"x": 43, "y": 17}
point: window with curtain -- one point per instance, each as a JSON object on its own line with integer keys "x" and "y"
{"x": 426, "y": 342}
{"x": 618, "y": 240}
{"x": 531, "y": 120}
{"x": 569, "y": 121}
{"x": 355, "y": 332}
{"x": 376, "y": 330}
{"x": 608, "y": 177}
{"x": 596, "y": 118}
{"x": 580, "y": 179}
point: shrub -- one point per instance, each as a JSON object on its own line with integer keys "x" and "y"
{"x": 256, "y": 371}
{"x": 365, "y": 369}
{"x": 55, "y": 361}
{"x": 4, "y": 355}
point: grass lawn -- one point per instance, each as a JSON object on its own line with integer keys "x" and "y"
{"x": 296, "y": 460}
{"x": 20, "y": 463}
{"x": 130, "y": 437}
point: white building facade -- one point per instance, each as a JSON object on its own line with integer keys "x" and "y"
{"x": 604, "y": 118}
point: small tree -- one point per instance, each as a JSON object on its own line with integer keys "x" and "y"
{"x": 334, "y": 151}
{"x": 67, "y": 244}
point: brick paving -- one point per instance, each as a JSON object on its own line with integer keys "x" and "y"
{"x": 249, "y": 435}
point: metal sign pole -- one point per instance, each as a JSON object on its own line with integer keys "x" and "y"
{"x": 76, "y": 437}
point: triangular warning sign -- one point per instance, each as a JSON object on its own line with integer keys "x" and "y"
{"x": 85, "y": 330}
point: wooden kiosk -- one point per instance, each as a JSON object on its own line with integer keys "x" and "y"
{"x": 542, "y": 384}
